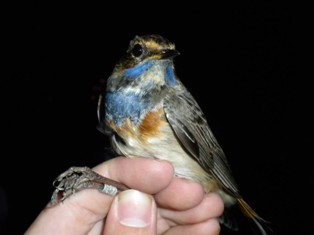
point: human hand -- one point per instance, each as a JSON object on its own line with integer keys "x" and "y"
{"x": 161, "y": 204}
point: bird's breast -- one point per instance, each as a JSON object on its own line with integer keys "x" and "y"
{"x": 121, "y": 106}
{"x": 150, "y": 127}
{"x": 153, "y": 137}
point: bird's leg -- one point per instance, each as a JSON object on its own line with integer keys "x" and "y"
{"x": 78, "y": 178}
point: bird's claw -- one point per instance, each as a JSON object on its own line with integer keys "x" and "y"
{"x": 78, "y": 178}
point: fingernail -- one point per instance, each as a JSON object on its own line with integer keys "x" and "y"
{"x": 134, "y": 208}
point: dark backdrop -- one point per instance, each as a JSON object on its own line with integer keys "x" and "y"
{"x": 241, "y": 62}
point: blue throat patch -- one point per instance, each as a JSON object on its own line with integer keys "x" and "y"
{"x": 120, "y": 106}
{"x": 137, "y": 70}
{"x": 170, "y": 78}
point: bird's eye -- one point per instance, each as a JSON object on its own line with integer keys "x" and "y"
{"x": 137, "y": 50}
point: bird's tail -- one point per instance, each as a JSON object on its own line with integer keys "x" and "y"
{"x": 250, "y": 213}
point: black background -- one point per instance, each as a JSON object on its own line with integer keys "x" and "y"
{"x": 245, "y": 64}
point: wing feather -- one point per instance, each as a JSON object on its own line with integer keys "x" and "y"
{"x": 190, "y": 126}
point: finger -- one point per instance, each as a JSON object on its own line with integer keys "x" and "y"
{"x": 144, "y": 174}
{"x": 181, "y": 194}
{"x": 128, "y": 171}
{"x": 132, "y": 212}
{"x": 211, "y": 207}
{"x": 210, "y": 227}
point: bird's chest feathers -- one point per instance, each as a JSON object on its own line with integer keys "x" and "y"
{"x": 121, "y": 106}
{"x": 149, "y": 128}
{"x": 138, "y": 91}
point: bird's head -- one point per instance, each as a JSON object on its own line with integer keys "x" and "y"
{"x": 145, "y": 48}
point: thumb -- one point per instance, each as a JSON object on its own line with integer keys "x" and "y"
{"x": 132, "y": 212}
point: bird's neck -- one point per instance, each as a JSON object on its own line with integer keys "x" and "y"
{"x": 139, "y": 90}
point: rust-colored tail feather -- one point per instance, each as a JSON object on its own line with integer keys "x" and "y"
{"x": 250, "y": 213}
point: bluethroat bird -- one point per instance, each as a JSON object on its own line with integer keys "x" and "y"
{"x": 147, "y": 111}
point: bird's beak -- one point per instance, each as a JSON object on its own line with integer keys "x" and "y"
{"x": 169, "y": 54}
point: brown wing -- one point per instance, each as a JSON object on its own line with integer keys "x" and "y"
{"x": 190, "y": 126}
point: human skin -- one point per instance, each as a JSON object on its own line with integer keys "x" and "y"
{"x": 160, "y": 204}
